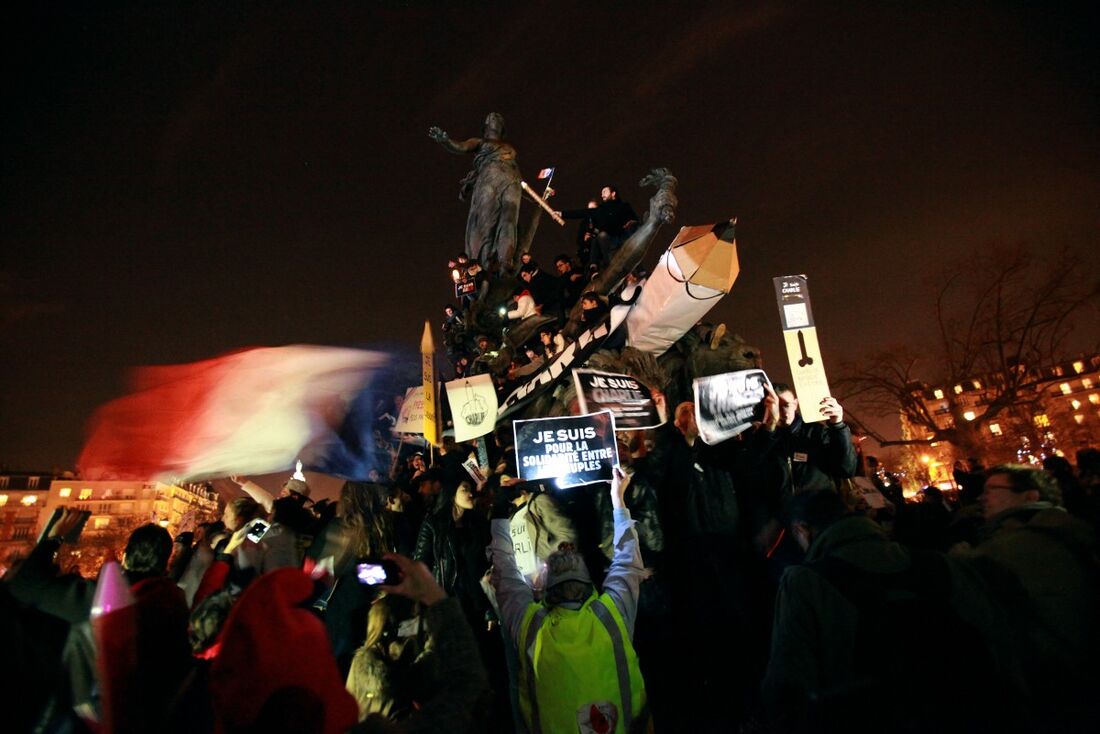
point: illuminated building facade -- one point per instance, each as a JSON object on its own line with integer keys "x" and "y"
{"x": 1060, "y": 416}
{"x": 22, "y": 507}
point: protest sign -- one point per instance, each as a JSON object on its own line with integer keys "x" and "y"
{"x": 411, "y": 418}
{"x": 472, "y": 468}
{"x": 473, "y": 402}
{"x": 465, "y": 287}
{"x": 871, "y": 495}
{"x": 803, "y": 354}
{"x": 725, "y": 404}
{"x": 628, "y": 399}
{"x": 573, "y": 450}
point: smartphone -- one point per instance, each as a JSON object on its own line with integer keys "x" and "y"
{"x": 373, "y": 573}
{"x": 257, "y": 531}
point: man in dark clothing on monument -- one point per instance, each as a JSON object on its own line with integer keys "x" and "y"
{"x": 614, "y": 221}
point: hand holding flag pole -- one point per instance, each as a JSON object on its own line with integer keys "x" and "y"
{"x": 542, "y": 202}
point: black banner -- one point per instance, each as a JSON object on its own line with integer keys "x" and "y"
{"x": 573, "y": 450}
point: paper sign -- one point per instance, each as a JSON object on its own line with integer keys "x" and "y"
{"x": 803, "y": 353}
{"x": 471, "y": 467}
{"x": 725, "y": 404}
{"x": 473, "y": 402}
{"x": 871, "y": 495}
{"x": 411, "y": 418}
{"x": 465, "y": 287}
{"x": 628, "y": 399}
{"x": 523, "y": 547}
{"x": 573, "y": 450}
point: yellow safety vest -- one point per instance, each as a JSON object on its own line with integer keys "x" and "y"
{"x": 577, "y": 670}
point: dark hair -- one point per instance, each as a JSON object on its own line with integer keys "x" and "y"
{"x": 1026, "y": 478}
{"x": 529, "y": 267}
{"x": 779, "y": 387}
{"x": 363, "y": 507}
{"x": 148, "y": 551}
{"x": 614, "y": 189}
{"x": 818, "y": 508}
{"x": 289, "y": 512}
{"x": 563, "y": 258}
{"x": 547, "y": 329}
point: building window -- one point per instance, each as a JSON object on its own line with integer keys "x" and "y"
{"x": 1086, "y": 383}
{"x": 1075, "y": 403}
{"x": 995, "y": 429}
{"x": 969, "y": 415}
{"x": 32, "y": 482}
{"x": 29, "y": 500}
{"x": 1041, "y": 421}
{"x": 1065, "y": 388}
{"x": 20, "y": 533}
{"x": 1078, "y": 367}
{"x": 1079, "y": 418}
{"x": 938, "y": 393}
{"x": 107, "y": 493}
{"x": 977, "y": 385}
{"x": 85, "y": 494}
{"x": 66, "y": 491}
{"x": 958, "y": 389}
{"x": 1094, "y": 398}
{"x": 4, "y": 482}
{"x": 3, "y": 500}
{"x": 101, "y": 522}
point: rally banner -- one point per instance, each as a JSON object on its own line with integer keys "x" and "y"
{"x": 411, "y": 418}
{"x": 573, "y": 450}
{"x": 473, "y": 402}
{"x": 725, "y": 404}
{"x": 575, "y": 353}
{"x": 629, "y": 400}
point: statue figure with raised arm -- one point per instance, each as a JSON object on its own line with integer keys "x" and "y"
{"x": 493, "y": 190}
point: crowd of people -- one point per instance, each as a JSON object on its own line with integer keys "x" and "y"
{"x": 741, "y": 586}
{"x": 604, "y": 226}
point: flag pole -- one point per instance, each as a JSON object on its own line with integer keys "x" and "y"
{"x": 542, "y": 202}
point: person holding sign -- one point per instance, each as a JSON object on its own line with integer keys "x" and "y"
{"x": 786, "y": 456}
{"x": 578, "y": 670}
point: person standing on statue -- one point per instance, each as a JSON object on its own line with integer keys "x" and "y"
{"x": 493, "y": 190}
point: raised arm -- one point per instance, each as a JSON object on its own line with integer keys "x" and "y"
{"x": 263, "y": 498}
{"x": 513, "y": 593}
{"x": 624, "y": 578}
{"x": 453, "y": 146}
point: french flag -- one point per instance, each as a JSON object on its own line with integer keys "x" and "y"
{"x": 546, "y": 173}
{"x": 250, "y": 412}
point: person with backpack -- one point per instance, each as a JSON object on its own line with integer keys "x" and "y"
{"x": 864, "y": 617}
{"x": 577, "y": 667}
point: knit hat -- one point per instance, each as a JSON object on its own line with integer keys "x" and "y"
{"x": 275, "y": 671}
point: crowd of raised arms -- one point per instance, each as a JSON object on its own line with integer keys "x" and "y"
{"x": 742, "y": 586}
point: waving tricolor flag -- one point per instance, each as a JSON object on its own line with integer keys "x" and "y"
{"x": 252, "y": 412}
{"x": 546, "y": 173}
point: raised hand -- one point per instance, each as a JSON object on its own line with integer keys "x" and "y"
{"x": 437, "y": 134}
{"x": 417, "y": 582}
{"x": 831, "y": 409}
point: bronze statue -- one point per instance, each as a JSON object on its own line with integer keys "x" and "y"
{"x": 493, "y": 190}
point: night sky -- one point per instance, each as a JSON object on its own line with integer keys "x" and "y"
{"x": 176, "y": 183}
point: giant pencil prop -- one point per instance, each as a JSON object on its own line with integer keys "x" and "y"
{"x": 542, "y": 202}
{"x": 699, "y": 267}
